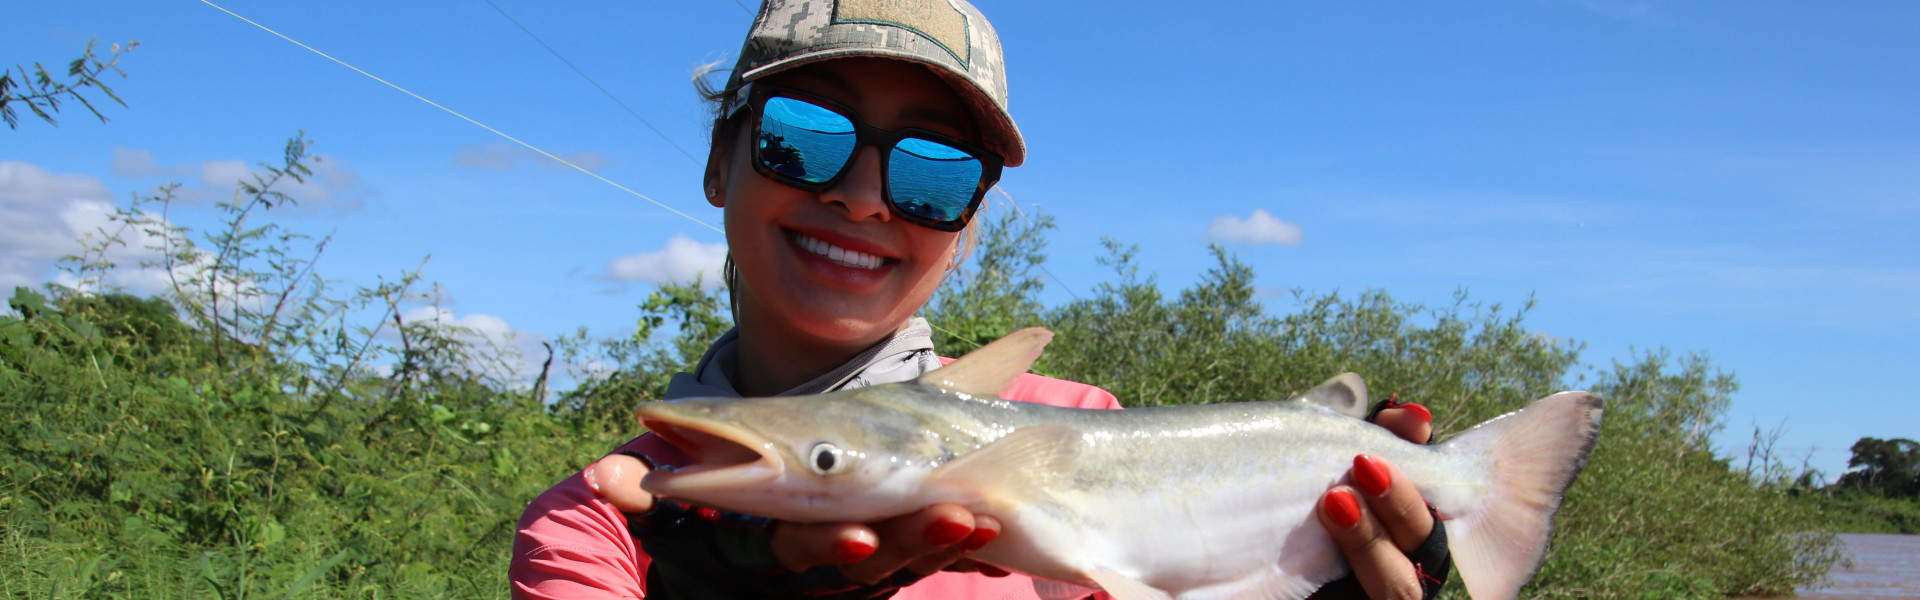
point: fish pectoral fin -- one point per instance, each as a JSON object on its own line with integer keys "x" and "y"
{"x": 1048, "y": 589}
{"x": 1345, "y": 393}
{"x": 1123, "y": 587}
{"x": 989, "y": 370}
{"x": 1020, "y": 466}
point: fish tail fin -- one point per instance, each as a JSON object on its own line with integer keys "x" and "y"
{"x": 1499, "y": 539}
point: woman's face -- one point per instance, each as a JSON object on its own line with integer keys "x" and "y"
{"x": 837, "y": 267}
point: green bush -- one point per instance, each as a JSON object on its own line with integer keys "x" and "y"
{"x": 242, "y": 437}
{"x": 255, "y": 433}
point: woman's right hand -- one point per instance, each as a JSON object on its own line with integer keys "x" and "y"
{"x": 896, "y": 551}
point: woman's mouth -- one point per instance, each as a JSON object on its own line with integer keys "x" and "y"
{"x": 839, "y": 256}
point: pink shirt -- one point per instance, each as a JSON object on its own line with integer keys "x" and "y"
{"x": 572, "y": 544}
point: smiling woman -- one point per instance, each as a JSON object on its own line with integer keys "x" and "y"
{"x": 855, "y": 144}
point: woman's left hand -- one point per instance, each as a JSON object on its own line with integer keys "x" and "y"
{"x": 1381, "y": 518}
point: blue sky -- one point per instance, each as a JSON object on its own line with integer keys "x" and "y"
{"x": 1736, "y": 178}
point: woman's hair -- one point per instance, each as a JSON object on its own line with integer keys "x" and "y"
{"x": 724, "y": 129}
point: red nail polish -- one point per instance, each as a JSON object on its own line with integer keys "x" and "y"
{"x": 852, "y": 550}
{"x": 993, "y": 571}
{"x": 1418, "y": 412}
{"x": 945, "y": 533}
{"x": 1341, "y": 508}
{"x": 978, "y": 539}
{"x": 1371, "y": 475}
{"x": 707, "y": 514}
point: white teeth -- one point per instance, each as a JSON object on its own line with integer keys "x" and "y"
{"x": 840, "y": 256}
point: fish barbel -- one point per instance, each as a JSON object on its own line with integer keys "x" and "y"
{"x": 1192, "y": 502}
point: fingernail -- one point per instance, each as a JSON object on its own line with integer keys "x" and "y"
{"x": 978, "y": 539}
{"x": 945, "y": 533}
{"x": 1371, "y": 475}
{"x": 1419, "y": 412}
{"x": 592, "y": 482}
{"x": 1341, "y": 508}
{"x": 852, "y": 550}
{"x": 993, "y": 571}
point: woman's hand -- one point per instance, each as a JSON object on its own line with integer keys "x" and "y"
{"x": 897, "y": 551}
{"x": 900, "y": 550}
{"x": 1381, "y": 518}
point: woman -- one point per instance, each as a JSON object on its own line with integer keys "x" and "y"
{"x": 855, "y": 142}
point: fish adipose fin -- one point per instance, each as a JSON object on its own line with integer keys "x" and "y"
{"x": 1345, "y": 393}
{"x": 1018, "y": 468}
{"x": 989, "y": 370}
{"x": 1532, "y": 457}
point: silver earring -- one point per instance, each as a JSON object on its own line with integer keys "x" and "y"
{"x": 712, "y": 192}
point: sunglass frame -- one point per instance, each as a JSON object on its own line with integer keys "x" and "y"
{"x": 755, "y": 97}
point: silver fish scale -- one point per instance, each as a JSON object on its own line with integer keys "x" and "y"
{"x": 1136, "y": 477}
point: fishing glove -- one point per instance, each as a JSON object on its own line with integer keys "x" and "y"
{"x": 705, "y": 554}
{"x": 1432, "y": 562}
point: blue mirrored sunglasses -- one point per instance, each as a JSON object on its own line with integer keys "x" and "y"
{"x": 808, "y": 142}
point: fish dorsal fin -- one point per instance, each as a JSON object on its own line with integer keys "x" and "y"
{"x": 1122, "y": 587}
{"x": 1019, "y": 468}
{"x": 1345, "y": 393}
{"x": 989, "y": 370}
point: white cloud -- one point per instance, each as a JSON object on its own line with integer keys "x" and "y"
{"x": 501, "y": 156}
{"x": 139, "y": 164}
{"x": 1259, "y": 228}
{"x": 333, "y": 183}
{"x": 46, "y": 216}
{"x": 681, "y": 261}
{"x": 490, "y": 328}
{"x": 43, "y": 217}
{"x": 502, "y": 349}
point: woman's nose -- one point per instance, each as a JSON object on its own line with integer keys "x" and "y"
{"x": 859, "y": 191}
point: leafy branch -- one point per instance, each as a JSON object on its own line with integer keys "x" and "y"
{"x": 42, "y": 94}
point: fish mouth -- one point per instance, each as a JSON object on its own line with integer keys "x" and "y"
{"x": 724, "y": 456}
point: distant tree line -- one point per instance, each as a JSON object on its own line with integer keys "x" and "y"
{"x": 1889, "y": 467}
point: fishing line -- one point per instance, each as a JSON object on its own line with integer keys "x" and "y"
{"x": 596, "y": 84}
{"x": 468, "y": 119}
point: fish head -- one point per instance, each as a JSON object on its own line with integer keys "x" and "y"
{"x": 849, "y": 456}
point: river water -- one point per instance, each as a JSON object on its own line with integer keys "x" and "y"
{"x": 1884, "y": 566}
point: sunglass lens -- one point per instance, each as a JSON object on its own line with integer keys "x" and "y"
{"x": 802, "y": 140}
{"x": 932, "y": 180}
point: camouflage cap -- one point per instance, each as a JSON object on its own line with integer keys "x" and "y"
{"x": 950, "y": 37}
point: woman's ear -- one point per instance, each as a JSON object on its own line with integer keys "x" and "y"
{"x": 715, "y": 179}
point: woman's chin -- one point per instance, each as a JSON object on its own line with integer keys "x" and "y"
{"x": 839, "y": 325}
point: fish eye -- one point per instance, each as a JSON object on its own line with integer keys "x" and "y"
{"x": 825, "y": 459}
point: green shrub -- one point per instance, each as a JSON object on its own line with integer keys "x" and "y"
{"x": 254, "y": 433}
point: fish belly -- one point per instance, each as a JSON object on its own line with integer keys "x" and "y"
{"x": 1142, "y": 506}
